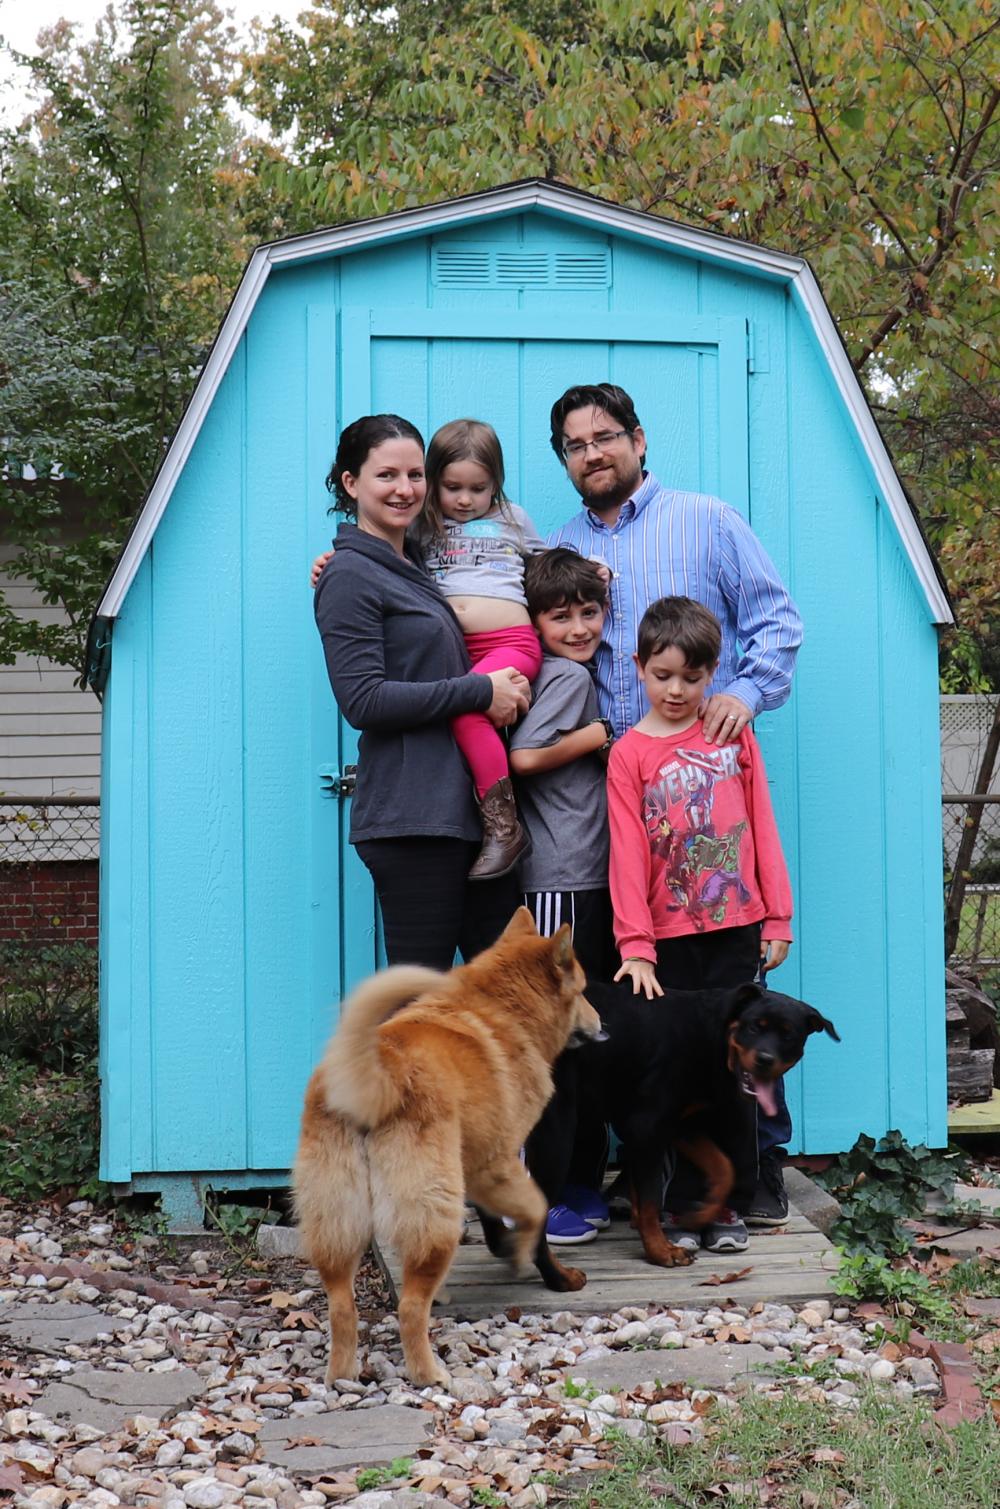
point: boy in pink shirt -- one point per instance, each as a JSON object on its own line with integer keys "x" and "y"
{"x": 698, "y": 881}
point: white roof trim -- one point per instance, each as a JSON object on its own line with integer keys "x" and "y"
{"x": 579, "y": 207}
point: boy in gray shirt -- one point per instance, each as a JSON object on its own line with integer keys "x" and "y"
{"x": 558, "y": 754}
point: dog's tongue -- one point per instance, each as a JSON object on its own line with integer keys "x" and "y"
{"x": 765, "y": 1096}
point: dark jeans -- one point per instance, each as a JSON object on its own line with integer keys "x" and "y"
{"x": 721, "y": 959}
{"x": 430, "y": 908}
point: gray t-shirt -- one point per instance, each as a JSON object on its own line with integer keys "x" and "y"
{"x": 485, "y": 557}
{"x": 565, "y": 811}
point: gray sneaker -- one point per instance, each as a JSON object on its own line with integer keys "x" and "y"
{"x": 727, "y": 1234}
{"x": 690, "y": 1241}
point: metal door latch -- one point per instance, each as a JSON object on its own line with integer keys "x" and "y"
{"x": 336, "y": 782}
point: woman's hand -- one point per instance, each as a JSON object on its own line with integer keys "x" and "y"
{"x": 511, "y": 696}
{"x": 317, "y": 567}
{"x": 643, "y": 976}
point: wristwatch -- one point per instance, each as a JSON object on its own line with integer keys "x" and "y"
{"x": 609, "y": 731}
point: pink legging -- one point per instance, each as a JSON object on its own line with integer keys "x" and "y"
{"x": 474, "y": 734}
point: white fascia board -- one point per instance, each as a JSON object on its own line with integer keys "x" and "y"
{"x": 215, "y": 368}
{"x": 808, "y": 292}
{"x": 578, "y": 207}
{"x": 604, "y": 216}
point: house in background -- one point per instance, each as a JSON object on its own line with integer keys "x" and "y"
{"x": 234, "y": 914}
{"x": 50, "y": 758}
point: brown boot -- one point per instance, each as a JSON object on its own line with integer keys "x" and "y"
{"x": 504, "y": 840}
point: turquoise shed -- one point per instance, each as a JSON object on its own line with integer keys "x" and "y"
{"x": 234, "y": 916}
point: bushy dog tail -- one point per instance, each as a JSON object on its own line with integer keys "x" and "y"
{"x": 354, "y": 1078}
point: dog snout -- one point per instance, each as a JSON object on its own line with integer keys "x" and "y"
{"x": 765, "y": 1060}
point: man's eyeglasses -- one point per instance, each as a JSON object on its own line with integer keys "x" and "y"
{"x": 573, "y": 450}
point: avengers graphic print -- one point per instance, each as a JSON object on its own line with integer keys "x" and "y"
{"x": 694, "y": 845}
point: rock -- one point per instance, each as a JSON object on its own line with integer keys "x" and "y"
{"x": 882, "y": 1370}
{"x": 205, "y": 1493}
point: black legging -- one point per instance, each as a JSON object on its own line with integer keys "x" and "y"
{"x": 430, "y": 909}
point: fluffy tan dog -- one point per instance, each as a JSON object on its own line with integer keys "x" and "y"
{"x": 424, "y": 1097}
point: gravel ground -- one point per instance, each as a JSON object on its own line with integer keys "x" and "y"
{"x": 253, "y": 1335}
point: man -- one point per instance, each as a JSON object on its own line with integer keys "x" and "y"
{"x": 658, "y": 542}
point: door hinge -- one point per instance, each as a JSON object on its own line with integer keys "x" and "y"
{"x": 336, "y": 782}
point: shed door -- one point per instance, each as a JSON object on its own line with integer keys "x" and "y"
{"x": 688, "y": 378}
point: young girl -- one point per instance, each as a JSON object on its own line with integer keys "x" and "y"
{"x": 474, "y": 542}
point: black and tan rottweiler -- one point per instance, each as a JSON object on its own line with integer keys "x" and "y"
{"x": 678, "y": 1073}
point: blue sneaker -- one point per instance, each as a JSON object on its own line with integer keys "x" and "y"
{"x": 564, "y": 1228}
{"x": 588, "y": 1204}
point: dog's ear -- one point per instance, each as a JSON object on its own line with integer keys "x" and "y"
{"x": 817, "y": 1023}
{"x": 742, "y": 997}
{"x": 562, "y": 946}
{"x": 521, "y": 925}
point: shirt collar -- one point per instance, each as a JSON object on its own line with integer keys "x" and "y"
{"x": 634, "y": 505}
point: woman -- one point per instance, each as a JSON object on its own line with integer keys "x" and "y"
{"x": 400, "y": 671}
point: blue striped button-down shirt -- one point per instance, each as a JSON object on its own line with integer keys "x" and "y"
{"x": 667, "y": 543}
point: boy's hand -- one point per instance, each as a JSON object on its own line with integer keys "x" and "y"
{"x": 643, "y": 977}
{"x": 773, "y": 951}
{"x": 317, "y": 567}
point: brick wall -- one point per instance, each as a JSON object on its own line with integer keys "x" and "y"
{"x": 52, "y": 901}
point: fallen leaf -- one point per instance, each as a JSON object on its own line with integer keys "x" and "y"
{"x": 304, "y": 1441}
{"x": 733, "y": 1333}
{"x": 988, "y": 1343}
{"x": 279, "y": 1299}
{"x": 17, "y": 1388}
{"x": 826, "y": 1454}
{"x": 11, "y": 1480}
{"x": 304, "y": 1318}
{"x": 715, "y": 1279}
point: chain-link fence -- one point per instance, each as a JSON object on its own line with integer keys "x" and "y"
{"x": 978, "y": 913}
{"x": 970, "y": 779}
{"x": 37, "y": 828}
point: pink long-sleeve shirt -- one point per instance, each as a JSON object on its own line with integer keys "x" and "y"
{"x": 694, "y": 844}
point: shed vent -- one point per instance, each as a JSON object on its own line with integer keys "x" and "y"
{"x": 465, "y": 266}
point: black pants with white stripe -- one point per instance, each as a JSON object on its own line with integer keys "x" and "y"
{"x": 589, "y": 916}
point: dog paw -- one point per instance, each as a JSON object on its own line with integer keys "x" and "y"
{"x": 679, "y": 1258}
{"x": 432, "y": 1377}
{"x": 572, "y": 1280}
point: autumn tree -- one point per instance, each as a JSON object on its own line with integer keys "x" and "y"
{"x": 120, "y": 244}
{"x": 861, "y": 134}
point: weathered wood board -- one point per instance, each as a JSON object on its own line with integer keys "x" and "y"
{"x": 794, "y": 1262}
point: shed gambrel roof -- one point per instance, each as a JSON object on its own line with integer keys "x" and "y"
{"x": 568, "y": 203}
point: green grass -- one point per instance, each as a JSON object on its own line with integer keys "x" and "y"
{"x": 795, "y": 1452}
{"x": 969, "y": 926}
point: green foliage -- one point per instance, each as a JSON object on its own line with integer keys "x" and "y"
{"x": 861, "y": 134}
{"x": 237, "y": 1224}
{"x": 486, "y": 1497}
{"x": 120, "y": 244}
{"x": 869, "y": 1275}
{"x": 48, "y": 1003}
{"x": 880, "y": 1185}
{"x": 376, "y": 1477}
{"x": 797, "y": 1451}
{"x": 585, "y": 1391}
{"x": 48, "y": 1132}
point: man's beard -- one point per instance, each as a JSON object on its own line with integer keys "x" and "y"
{"x": 614, "y": 495}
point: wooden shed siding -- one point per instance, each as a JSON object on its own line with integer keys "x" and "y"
{"x": 241, "y": 916}
{"x": 51, "y": 740}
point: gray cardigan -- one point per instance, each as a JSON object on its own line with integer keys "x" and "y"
{"x": 399, "y": 671}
